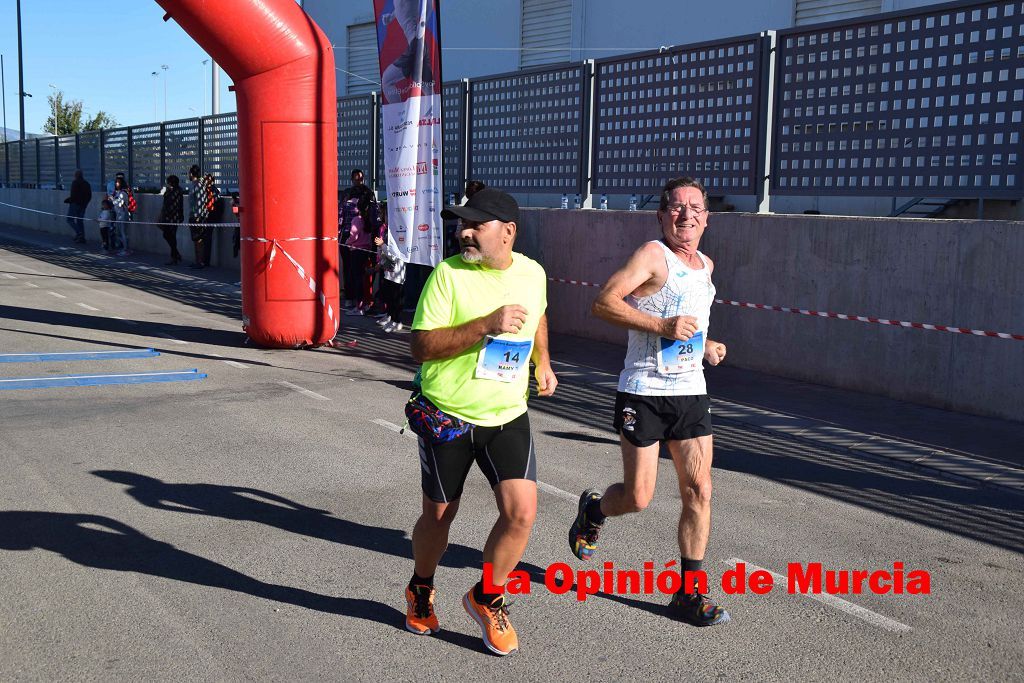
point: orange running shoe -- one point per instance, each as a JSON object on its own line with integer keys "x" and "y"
{"x": 498, "y": 634}
{"x": 419, "y": 613}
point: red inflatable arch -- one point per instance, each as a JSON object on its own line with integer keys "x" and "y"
{"x": 283, "y": 68}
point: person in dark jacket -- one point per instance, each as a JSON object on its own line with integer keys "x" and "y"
{"x": 171, "y": 214}
{"x": 81, "y": 195}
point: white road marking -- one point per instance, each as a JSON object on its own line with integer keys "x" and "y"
{"x": 305, "y": 392}
{"x": 10, "y": 277}
{"x": 393, "y": 427}
{"x": 236, "y": 364}
{"x": 862, "y": 613}
{"x": 554, "y": 490}
{"x": 33, "y": 286}
{"x": 56, "y": 294}
{"x": 88, "y": 307}
{"x": 171, "y": 339}
{"x": 124, "y": 320}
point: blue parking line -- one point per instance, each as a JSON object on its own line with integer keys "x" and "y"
{"x": 96, "y": 380}
{"x": 77, "y": 355}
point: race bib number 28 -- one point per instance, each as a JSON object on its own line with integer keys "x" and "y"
{"x": 503, "y": 360}
{"x": 676, "y": 356}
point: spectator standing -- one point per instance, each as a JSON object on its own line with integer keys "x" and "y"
{"x": 171, "y": 214}
{"x": 119, "y": 235}
{"x": 392, "y": 283}
{"x": 202, "y": 200}
{"x": 106, "y": 221}
{"x": 81, "y": 195}
{"x": 360, "y": 240}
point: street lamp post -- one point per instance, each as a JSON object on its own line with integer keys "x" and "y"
{"x": 56, "y": 110}
{"x": 165, "y": 68}
{"x": 156, "y": 112}
{"x": 203, "y": 68}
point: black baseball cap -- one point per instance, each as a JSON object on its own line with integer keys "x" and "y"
{"x": 489, "y": 204}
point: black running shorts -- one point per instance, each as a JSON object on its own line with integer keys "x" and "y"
{"x": 646, "y": 420}
{"x": 501, "y": 453}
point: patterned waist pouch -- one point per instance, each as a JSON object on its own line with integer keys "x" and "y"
{"x": 432, "y": 423}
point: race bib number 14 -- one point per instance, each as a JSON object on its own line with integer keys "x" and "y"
{"x": 503, "y": 360}
{"x": 676, "y": 356}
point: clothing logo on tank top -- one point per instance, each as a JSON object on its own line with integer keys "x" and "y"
{"x": 628, "y": 419}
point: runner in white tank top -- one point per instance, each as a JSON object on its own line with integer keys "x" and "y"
{"x": 652, "y": 362}
{"x": 663, "y": 296}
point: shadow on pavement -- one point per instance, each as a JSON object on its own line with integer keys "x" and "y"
{"x": 105, "y": 543}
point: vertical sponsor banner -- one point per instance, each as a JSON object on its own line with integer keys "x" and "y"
{"x": 409, "y": 50}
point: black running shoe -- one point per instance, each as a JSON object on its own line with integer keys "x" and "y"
{"x": 583, "y": 533}
{"x": 696, "y": 609}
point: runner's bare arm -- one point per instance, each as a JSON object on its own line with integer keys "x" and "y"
{"x": 546, "y": 380}
{"x": 644, "y": 273}
{"x": 446, "y": 342}
{"x": 714, "y": 352}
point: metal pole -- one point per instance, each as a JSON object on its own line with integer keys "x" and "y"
{"x": 215, "y": 89}
{"x": 586, "y": 168}
{"x": 3, "y": 92}
{"x": 7, "y": 149}
{"x": 21, "y": 81}
{"x": 763, "y": 180}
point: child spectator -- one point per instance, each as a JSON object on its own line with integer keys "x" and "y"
{"x": 106, "y": 220}
{"x": 391, "y": 264}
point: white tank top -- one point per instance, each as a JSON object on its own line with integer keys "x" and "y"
{"x": 657, "y": 366}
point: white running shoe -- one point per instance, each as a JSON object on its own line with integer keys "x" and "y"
{"x": 385, "y": 320}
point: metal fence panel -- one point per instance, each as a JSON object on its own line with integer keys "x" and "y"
{"x": 923, "y": 103}
{"x": 66, "y": 162}
{"x": 4, "y": 177}
{"x": 453, "y": 136}
{"x": 30, "y": 162}
{"x": 89, "y": 157}
{"x": 14, "y": 151}
{"x": 181, "y": 147}
{"x": 220, "y": 150}
{"x": 354, "y": 126}
{"x": 47, "y": 162}
{"x": 115, "y": 153}
{"x": 527, "y": 129}
{"x": 688, "y": 110}
{"x": 146, "y": 157}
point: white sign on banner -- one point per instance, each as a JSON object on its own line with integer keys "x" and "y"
{"x": 410, "y": 68}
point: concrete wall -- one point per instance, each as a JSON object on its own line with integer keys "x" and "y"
{"x": 145, "y": 238}
{"x": 953, "y": 272}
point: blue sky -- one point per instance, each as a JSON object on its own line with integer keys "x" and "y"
{"x": 104, "y": 54}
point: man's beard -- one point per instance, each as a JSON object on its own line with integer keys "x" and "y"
{"x": 474, "y": 257}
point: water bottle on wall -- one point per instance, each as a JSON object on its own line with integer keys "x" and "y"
{"x": 565, "y": 201}
{"x": 451, "y": 199}
{"x": 604, "y": 202}
{"x": 632, "y": 202}
{"x": 576, "y": 202}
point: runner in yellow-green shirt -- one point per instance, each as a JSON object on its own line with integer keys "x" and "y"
{"x": 479, "y": 323}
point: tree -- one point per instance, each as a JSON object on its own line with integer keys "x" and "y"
{"x": 66, "y": 117}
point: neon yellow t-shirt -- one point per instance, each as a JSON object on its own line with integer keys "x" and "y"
{"x": 487, "y": 389}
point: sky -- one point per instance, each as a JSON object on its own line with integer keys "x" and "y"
{"x": 104, "y": 54}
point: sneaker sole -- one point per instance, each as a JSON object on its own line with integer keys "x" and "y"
{"x": 483, "y": 628}
{"x": 584, "y": 499}
{"x": 724, "y": 619}
{"x": 425, "y": 632}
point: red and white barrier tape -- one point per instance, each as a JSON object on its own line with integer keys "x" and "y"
{"x": 130, "y": 221}
{"x": 871, "y": 319}
{"x": 840, "y": 316}
{"x": 583, "y": 283}
{"x": 310, "y": 282}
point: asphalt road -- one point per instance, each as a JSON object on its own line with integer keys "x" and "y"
{"x": 253, "y": 524}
